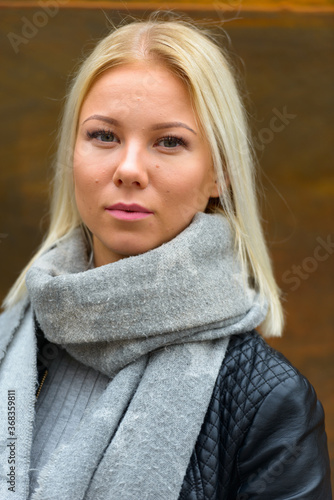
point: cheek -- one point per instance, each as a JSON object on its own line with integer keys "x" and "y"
{"x": 182, "y": 199}
{"x": 197, "y": 190}
{"x": 79, "y": 166}
{"x": 91, "y": 166}
{"x": 87, "y": 172}
{"x": 80, "y": 179}
{"x": 83, "y": 151}
{"x": 85, "y": 186}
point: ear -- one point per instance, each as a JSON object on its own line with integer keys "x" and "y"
{"x": 214, "y": 192}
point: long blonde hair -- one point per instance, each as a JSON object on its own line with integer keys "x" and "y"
{"x": 191, "y": 54}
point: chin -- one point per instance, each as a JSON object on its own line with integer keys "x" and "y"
{"x": 131, "y": 248}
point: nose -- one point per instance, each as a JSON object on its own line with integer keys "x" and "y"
{"x": 131, "y": 170}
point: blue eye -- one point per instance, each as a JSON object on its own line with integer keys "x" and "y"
{"x": 171, "y": 142}
{"x": 102, "y": 135}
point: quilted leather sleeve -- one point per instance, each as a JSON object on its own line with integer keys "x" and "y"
{"x": 263, "y": 435}
{"x": 284, "y": 455}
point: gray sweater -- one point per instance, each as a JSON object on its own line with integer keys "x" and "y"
{"x": 69, "y": 388}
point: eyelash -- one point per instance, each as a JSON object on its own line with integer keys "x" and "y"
{"x": 180, "y": 140}
{"x": 94, "y": 135}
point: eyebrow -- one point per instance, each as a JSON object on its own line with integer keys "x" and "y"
{"x": 158, "y": 126}
{"x": 106, "y": 119}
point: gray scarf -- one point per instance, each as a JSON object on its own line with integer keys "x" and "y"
{"x": 158, "y": 324}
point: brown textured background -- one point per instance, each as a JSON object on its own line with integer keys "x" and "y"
{"x": 284, "y": 51}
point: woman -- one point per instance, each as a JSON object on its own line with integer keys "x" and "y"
{"x": 152, "y": 383}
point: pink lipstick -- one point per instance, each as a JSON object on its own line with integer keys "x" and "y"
{"x": 130, "y": 212}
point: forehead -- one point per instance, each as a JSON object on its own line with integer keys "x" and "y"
{"x": 148, "y": 83}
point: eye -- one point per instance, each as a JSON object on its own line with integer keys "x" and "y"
{"x": 170, "y": 142}
{"x": 102, "y": 135}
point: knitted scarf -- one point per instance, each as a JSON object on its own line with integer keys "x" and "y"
{"x": 158, "y": 325}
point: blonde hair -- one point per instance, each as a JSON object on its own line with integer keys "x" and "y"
{"x": 192, "y": 55}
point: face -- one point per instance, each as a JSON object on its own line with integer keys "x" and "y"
{"x": 142, "y": 169}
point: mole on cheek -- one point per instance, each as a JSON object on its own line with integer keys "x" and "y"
{"x": 157, "y": 166}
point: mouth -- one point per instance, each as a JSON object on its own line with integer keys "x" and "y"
{"x": 130, "y": 212}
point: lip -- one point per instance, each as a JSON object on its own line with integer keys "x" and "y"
{"x": 133, "y": 211}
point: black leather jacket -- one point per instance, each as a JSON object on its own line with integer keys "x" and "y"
{"x": 263, "y": 436}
